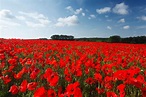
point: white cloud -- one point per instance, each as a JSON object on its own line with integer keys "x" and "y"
{"x": 78, "y": 11}
{"x": 67, "y": 21}
{"x": 8, "y": 23}
{"x": 70, "y": 9}
{"x": 142, "y": 18}
{"x": 121, "y": 9}
{"x": 7, "y": 14}
{"x": 7, "y": 19}
{"x": 36, "y": 25}
{"x": 20, "y": 17}
{"x": 108, "y": 27}
{"x": 103, "y": 10}
{"x": 35, "y": 19}
{"x": 126, "y": 27}
{"x": 92, "y": 16}
{"x": 121, "y": 21}
{"x": 83, "y": 14}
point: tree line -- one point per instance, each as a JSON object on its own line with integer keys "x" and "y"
{"x": 118, "y": 39}
{"x": 112, "y": 39}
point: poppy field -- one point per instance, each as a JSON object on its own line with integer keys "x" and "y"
{"x": 49, "y": 68}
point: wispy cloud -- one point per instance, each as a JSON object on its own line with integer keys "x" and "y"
{"x": 70, "y": 9}
{"x": 121, "y": 21}
{"x": 34, "y": 19}
{"x": 103, "y": 10}
{"x": 141, "y": 27}
{"x": 83, "y": 14}
{"x": 8, "y": 23}
{"x": 77, "y": 11}
{"x": 67, "y": 21}
{"x": 126, "y": 27}
{"x": 121, "y": 9}
{"x": 142, "y": 18}
{"x": 108, "y": 27}
{"x": 92, "y": 16}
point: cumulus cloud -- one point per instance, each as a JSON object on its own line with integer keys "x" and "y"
{"x": 121, "y": 9}
{"x": 35, "y": 19}
{"x": 7, "y": 14}
{"x": 103, "y": 10}
{"x": 121, "y": 21}
{"x": 108, "y": 27}
{"x": 67, "y": 21}
{"x": 126, "y": 27}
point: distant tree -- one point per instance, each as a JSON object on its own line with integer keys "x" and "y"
{"x": 55, "y": 37}
{"x": 115, "y": 39}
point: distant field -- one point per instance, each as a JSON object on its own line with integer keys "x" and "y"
{"x": 49, "y": 68}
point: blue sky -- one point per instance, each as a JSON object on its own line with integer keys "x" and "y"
{"x": 80, "y": 18}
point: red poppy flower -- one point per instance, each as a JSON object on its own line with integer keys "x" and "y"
{"x": 90, "y": 80}
{"x": 71, "y": 88}
{"x": 48, "y": 72}
{"x": 40, "y": 92}
{"x": 34, "y": 73}
{"x": 51, "y": 93}
{"x": 68, "y": 78}
{"x": 31, "y": 86}
{"x": 12, "y": 61}
{"x": 77, "y": 92}
{"x": 143, "y": 92}
{"x": 2, "y": 56}
{"x": 121, "y": 88}
{"x": 14, "y": 89}
{"x": 20, "y": 73}
{"x": 23, "y": 86}
{"x": 53, "y": 79}
{"x": 98, "y": 77}
{"x": 111, "y": 94}
{"x": 100, "y": 91}
{"x": 6, "y": 79}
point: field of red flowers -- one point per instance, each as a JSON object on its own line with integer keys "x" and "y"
{"x": 48, "y": 68}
